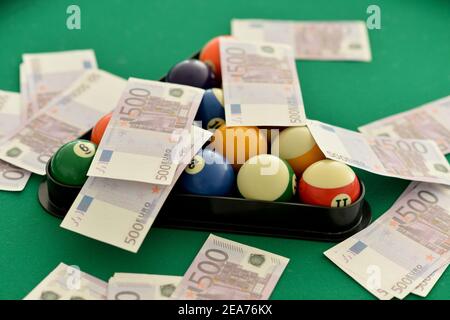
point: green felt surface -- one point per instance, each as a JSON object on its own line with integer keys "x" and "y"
{"x": 144, "y": 39}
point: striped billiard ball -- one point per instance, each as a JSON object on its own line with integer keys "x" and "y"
{"x": 211, "y": 112}
{"x": 266, "y": 177}
{"x": 329, "y": 183}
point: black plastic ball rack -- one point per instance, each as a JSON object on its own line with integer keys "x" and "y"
{"x": 235, "y": 214}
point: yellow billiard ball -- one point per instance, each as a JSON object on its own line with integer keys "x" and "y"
{"x": 297, "y": 146}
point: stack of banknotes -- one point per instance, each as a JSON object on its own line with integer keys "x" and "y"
{"x": 151, "y": 138}
{"x": 151, "y": 128}
{"x": 41, "y": 120}
{"x": 404, "y": 251}
{"x": 222, "y": 270}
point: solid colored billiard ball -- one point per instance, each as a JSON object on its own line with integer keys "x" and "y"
{"x": 70, "y": 164}
{"x": 266, "y": 177}
{"x": 208, "y": 173}
{"x": 329, "y": 183}
{"x": 193, "y": 73}
{"x": 211, "y": 112}
{"x": 297, "y": 146}
{"x": 99, "y": 128}
{"x": 270, "y": 131}
{"x": 210, "y": 54}
{"x": 238, "y": 144}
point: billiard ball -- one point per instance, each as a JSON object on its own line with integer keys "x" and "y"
{"x": 99, "y": 128}
{"x": 297, "y": 146}
{"x": 70, "y": 164}
{"x": 329, "y": 183}
{"x": 211, "y": 112}
{"x": 238, "y": 144}
{"x": 266, "y": 177}
{"x": 271, "y": 132}
{"x": 210, "y": 54}
{"x": 208, "y": 173}
{"x": 193, "y": 73}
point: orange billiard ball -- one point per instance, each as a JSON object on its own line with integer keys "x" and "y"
{"x": 210, "y": 54}
{"x": 329, "y": 183}
{"x": 238, "y": 144}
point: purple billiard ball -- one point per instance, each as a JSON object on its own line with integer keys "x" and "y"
{"x": 193, "y": 73}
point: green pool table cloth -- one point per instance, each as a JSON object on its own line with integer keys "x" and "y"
{"x": 143, "y": 39}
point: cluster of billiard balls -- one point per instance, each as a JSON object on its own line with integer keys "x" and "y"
{"x": 253, "y": 162}
{"x": 270, "y": 177}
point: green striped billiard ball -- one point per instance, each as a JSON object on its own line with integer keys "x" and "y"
{"x": 70, "y": 164}
{"x": 266, "y": 177}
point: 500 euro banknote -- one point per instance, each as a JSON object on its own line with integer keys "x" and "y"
{"x": 10, "y": 112}
{"x": 121, "y": 212}
{"x": 410, "y": 159}
{"x": 46, "y": 75}
{"x": 424, "y": 288}
{"x": 25, "y": 101}
{"x": 260, "y": 84}
{"x": 134, "y": 286}
{"x": 69, "y": 283}
{"x": 11, "y": 178}
{"x": 228, "y": 270}
{"x": 68, "y": 117}
{"x": 395, "y": 255}
{"x": 146, "y": 126}
{"x": 311, "y": 40}
{"x": 430, "y": 121}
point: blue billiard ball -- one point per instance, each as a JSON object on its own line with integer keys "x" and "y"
{"x": 209, "y": 173}
{"x": 193, "y": 73}
{"x": 211, "y": 112}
